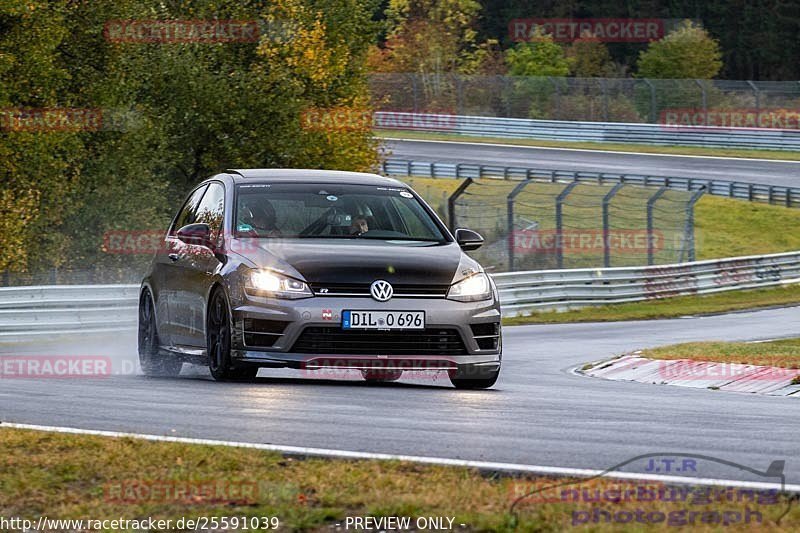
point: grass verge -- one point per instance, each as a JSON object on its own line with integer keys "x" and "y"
{"x": 670, "y": 307}
{"x": 85, "y": 477}
{"x": 602, "y": 147}
{"x": 784, "y": 353}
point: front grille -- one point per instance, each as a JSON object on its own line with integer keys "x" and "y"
{"x": 335, "y": 341}
{"x": 401, "y": 290}
{"x": 259, "y": 332}
{"x": 486, "y": 335}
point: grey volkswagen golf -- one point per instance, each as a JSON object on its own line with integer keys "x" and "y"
{"x": 316, "y": 270}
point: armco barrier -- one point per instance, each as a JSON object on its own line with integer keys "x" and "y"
{"x": 526, "y": 292}
{"x": 754, "y": 192}
{"x": 45, "y": 312}
{"x": 608, "y": 132}
{"x": 40, "y": 313}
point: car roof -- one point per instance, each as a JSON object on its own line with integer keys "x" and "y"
{"x": 298, "y": 175}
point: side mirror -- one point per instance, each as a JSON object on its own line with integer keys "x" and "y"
{"x": 468, "y": 239}
{"x": 199, "y": 234}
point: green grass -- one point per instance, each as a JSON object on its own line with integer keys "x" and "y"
{"x": 618, "y": 147}
{"x": 730, "y": 228}
{"x": 81, "y": 477}
{"x": 784, "y": 353}
{"x": 670, "y": 307}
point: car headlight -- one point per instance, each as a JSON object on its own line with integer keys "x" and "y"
{"x": 472, "y": 289}
{"x": 268, "y": 283}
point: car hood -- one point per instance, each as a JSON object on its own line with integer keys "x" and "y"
{"x": 359, "y": 261}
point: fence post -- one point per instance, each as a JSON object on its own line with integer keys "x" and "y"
{"x": 650, "y": 204}
{"x": 560, "y": 222}
{"x": 558, "y": 97}
{"x": 604, "y": 87}
{"x": 606, "y": 201}
{"x": 688, "y": 232}
{"x": 451, "y": 202}
{"x": 415, "y": 92}
{"x": 757, "y": 95}
{"x": 510, "y": 211}
{"x": 704, "y": 101}
{"x": 652, "y": 100}
{"x": 459, "y": 94}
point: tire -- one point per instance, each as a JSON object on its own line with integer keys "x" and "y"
{"x": 381, "y": 376}
{"x": 152, "y": 361}
{"x": 480, "y": 383}
{"x": 218, "y": 341}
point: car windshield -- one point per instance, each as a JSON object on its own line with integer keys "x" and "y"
{"x": 332, "y": 211}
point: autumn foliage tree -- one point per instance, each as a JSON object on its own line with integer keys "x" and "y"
{"x": 185, "y": 110}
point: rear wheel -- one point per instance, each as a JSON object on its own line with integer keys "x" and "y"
{"x": 381, "y": 376}
{"x": 483, "y": 382}
{"x": 218, "y": 342}
{"x": 153, "y": 363}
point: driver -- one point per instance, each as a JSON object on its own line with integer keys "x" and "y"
{"x": 262, "y": 217}
{"x": 358, "y": 226}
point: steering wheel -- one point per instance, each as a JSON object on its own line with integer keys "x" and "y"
{"x": 316, "y": 227}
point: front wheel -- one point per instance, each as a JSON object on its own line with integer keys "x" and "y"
{"x": 218, "y": 342}
{"x": 152, "y": 362}
{"x": 483, "y": 382}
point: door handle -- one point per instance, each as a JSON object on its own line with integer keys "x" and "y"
{"x": 173, "y": 257}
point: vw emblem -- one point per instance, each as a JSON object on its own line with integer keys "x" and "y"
{"x": 381, "y": 290}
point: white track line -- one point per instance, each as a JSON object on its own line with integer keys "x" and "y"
{"x": 479, "y": 465}
{"x": 500, "y": 145}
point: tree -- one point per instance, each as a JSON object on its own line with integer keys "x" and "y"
{"x": 192, "y": 109}
{"x": 539, "y": 57}
{"x": 589, "y": 58}
{"x": 686, "y": 52}
{"x": 432, "y": 36}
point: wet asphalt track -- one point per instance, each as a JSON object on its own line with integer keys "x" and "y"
{"x": 755, "y": 171}
{"x": 538, "y": 413}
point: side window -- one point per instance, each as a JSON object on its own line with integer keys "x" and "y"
{"x": 188, "y": 212}
{"x": 212, "y": 208}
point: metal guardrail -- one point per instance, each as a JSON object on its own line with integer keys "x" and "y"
{"x": 753, "y": 192}
{"x": 44, "y": 312}
{"x": 525, "y": 292}
{"x": 602, "y": 132}
{"x": 39, "y": 313}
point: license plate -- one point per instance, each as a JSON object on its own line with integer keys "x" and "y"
{"x": 383, "y": 319}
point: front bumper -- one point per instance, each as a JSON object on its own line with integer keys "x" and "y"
{"x": 325, "y": 312}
